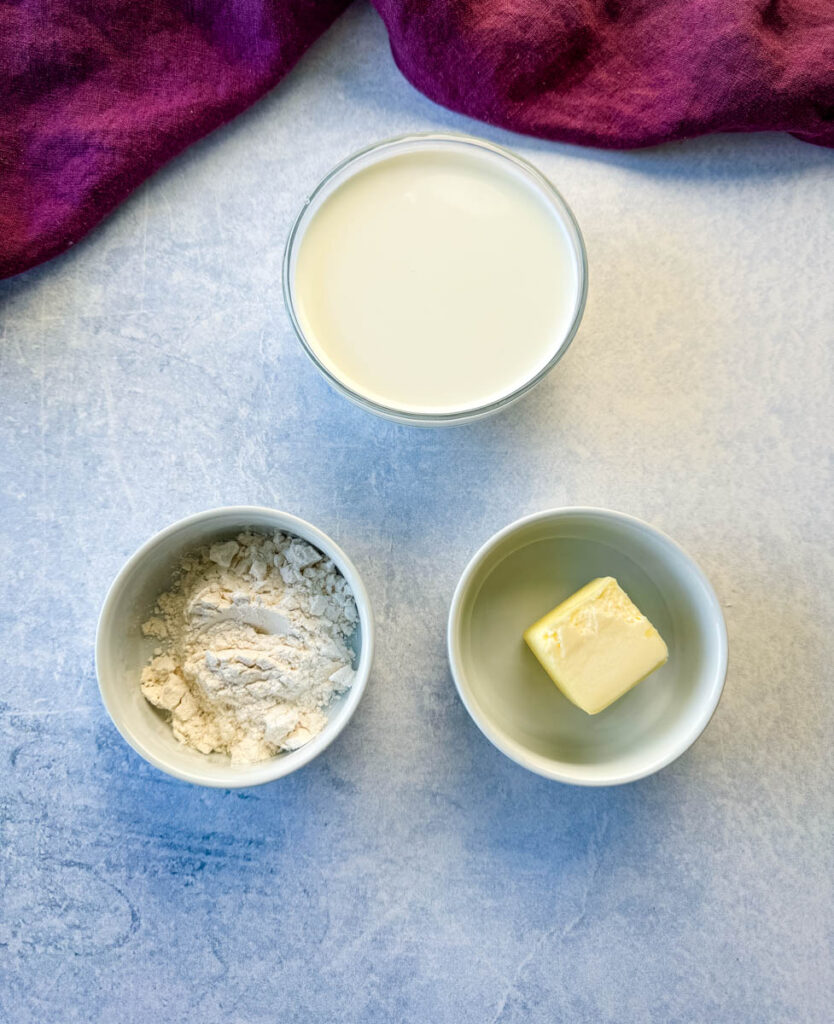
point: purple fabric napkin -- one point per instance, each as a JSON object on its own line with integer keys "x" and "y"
{"x": 96, "y": 94}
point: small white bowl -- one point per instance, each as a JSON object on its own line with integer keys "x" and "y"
{"x": 531, "y": 566}
{"x": 122, "y": 651}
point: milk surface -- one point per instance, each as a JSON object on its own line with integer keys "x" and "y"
{"x": 436, "y": 281}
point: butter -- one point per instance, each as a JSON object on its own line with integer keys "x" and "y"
{"x": 596, "y": 645}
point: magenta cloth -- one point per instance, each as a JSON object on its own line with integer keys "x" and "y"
{"x": 95, "y": 95}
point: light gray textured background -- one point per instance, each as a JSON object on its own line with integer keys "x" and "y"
{"x": 413, "y": 873}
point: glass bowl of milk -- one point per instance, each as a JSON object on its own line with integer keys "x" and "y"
{"x": 435, "y": 278}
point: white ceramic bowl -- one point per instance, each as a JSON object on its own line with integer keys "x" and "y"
{"x": 531, "y": 566}
{"x": 122, "y": 651}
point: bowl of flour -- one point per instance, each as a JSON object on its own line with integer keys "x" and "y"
{"x": 234, "y": 646}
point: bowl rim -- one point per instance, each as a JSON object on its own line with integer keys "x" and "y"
{"x": 516, "y": 751}
{"x": 280, "y": 765}
{"x": 441, "y": 139}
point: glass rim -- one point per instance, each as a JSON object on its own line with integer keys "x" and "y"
{"x": 543, "y": 183}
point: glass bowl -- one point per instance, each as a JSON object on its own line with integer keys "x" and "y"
{"x": 406, "y": 144}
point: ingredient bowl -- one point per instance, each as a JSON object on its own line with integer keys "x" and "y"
{"x": 530, "y": 567}
{"x": 122, "y": 651}
{"x": 435, "y": 278}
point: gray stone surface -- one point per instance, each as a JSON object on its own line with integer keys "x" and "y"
{"x": 413, "y": 873}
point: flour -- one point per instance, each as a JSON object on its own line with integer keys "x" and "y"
{"x": 252, "y": 646}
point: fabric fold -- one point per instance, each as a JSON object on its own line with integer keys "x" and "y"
{"x": 94, "y": 97}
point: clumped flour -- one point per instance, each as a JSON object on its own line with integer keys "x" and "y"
{"x": 252, "y": 646}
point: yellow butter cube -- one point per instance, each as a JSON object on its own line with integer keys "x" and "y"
{"x": 596, "y": 645}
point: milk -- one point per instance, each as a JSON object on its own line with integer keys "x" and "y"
{"x": 437, "y": 280}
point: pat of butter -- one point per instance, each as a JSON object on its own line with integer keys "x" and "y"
{"x": 596, "y": 645}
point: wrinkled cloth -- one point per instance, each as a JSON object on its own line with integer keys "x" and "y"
{"x": 95, "y": 95}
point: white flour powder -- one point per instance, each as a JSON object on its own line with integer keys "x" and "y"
{"x": 252, "y": 646}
